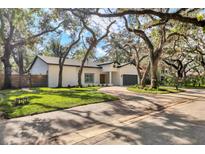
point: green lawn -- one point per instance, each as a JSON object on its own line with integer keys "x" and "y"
{"x": 49, "y": 99}
{"x": 196, "y": 87}
{"x": 160, "y": 90}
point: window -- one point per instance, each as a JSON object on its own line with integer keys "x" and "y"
{"x": 89, "y": 78}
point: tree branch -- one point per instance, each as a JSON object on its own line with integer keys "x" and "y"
{"x": 170, "y": 64}
{"x": 162, "y": 15}
{"x": 73, "y": 43}
{"x": 140, "y": 33}
{"x": 143, "y": 57}
{"x": 24, "y": 41}
{"x": 161, "y": 22}
{"x": 107, "y": 31}
{"x": 181, "y": 10}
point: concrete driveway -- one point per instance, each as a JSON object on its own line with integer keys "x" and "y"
{"x": 180, "y": 124}
{"x": 91, "y": 124}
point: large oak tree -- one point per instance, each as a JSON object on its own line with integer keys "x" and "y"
{"x": 19, "y": 27}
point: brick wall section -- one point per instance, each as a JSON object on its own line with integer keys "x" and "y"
{"x": 27, "y": 81}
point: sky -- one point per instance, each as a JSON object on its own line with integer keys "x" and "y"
{"x": 64, "y": 39}
{"x": 102, "y": 23}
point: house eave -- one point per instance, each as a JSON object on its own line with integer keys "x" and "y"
{"x": 77, "y": 66}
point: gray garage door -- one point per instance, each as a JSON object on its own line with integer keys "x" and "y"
{"x": 129, "y": 79}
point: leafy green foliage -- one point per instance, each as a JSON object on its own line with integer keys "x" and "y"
{"x": 22, "y": 26}
{"x": 169, "y": 81}
{"x": 203, "y": 29}
{"x": 190, "y": 81}
{"x": 175, "y": 29}
{"x": 200, "y": 17}
{"x": 194, "y": 81}
{"x": 160, "y": 90}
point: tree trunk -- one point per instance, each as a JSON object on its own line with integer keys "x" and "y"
{"x": 154, "y": 60}
{"x": 82, "y": 65}
{"x": 179, "y": 73}
{"x": 79, "y": 77}
{"x": 179, "y": 77}
{"x": 7, "y": 66}
{"x": 60, "y": 75}
{"x": 139, "y": 76}
{"x": 154, "y": 80}
{"x": 142, "y": 82}
{"x": 177, "y": 82}
{"x": 184, "y": 78}
{"x": 21, "y": 72}
{"x": 21, "y": 68}
{"x": 30, "y": 80}
{"x": 81, "y": 70}
{"x": 184, "y": 75}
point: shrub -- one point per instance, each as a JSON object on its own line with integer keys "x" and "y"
{"x": 69, "y": 86}
{"x": 194, "y": 81}
{"x": 168, "y": 81}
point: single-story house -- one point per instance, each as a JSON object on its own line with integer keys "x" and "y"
{"x": 93, "y": 73}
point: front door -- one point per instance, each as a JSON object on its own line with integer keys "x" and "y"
{"x": 102, "y": 78}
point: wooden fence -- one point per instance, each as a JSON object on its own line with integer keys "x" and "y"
{"x": 27, "y": 81}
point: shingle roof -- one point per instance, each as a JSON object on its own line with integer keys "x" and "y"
{"x": 68, "y": 62}
{"x": 73, "y": 62}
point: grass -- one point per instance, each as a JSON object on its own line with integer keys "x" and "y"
{"x": 49, "y": 99}
{"x": 194, "y": 87}
{"x": 160, "y": 90}
{"x": 189, "y": 86}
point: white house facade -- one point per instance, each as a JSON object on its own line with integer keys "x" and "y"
{"x": 93, "y": 73}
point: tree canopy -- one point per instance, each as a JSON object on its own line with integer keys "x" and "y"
{"x": 147, "y": 38}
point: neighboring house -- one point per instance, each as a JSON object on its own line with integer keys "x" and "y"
{"x": 93, "y": 73}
